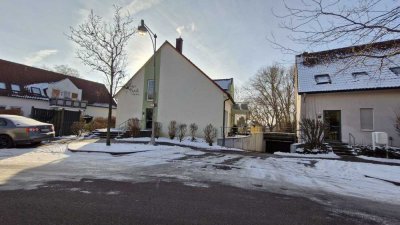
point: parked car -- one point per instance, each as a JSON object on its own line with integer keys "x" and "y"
{"x": 22, "y": 130}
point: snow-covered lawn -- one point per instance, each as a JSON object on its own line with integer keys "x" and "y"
{"x": 376, "y": 159}
{"x": 198, "y": 143}
{"x": 30, "y": 167}
{"x": 92, "y": 146}
{"x": 329, "y": 155}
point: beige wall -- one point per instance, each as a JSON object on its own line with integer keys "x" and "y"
{"x": 130, "y": 101}
{"x": 186, "y": 95}
{"x": 385, "y": 104}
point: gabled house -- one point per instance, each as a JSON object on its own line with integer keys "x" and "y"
{"x": 355, "y": 96}
{"x": 23, "y": 87}
{"x": 184, "y": 93}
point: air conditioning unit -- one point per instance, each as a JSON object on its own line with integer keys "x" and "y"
{"x": 380, "y": 139}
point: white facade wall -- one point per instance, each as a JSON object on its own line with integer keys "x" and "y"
{"x": 385, "y": 104}
{"x": 96, "y": 111}
{"x": 130, "y": 101}
{"x": 64, "y": 85}
{"x": 25, "y": 104}
{"x": 186, "y": 95}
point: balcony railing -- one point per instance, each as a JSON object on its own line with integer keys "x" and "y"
{"x": 67, "y": 103}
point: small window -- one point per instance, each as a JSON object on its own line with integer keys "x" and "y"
{"x": 2, "y": 86}
{"x": 358, "y": 74}
{"x": 67, "y": 94}
{"x": 74, "y": 96}
{"x": 395, "y": 70}
{"x": 150, "y": 90}
{"x": 367, "y": 119}
{"x": 36, "y": 90}
{"x": 55, "y": 93}
{"x": 15, "y": 88}
{"x": 323, "y": 79}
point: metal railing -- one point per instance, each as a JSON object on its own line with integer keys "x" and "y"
{"x": 352, "y": 139}
{"x": 67, "y": 103}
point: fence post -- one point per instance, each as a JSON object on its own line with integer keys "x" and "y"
{"x": 61, "y": 123}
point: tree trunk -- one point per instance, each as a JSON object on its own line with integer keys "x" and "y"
{"x": 110, "y": 103}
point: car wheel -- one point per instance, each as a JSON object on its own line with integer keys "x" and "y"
{"x": 6, "y": 141}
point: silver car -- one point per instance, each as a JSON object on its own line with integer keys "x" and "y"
{"x": 22, "y": 130}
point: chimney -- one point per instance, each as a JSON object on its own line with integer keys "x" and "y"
{"x": 178, "y": 45}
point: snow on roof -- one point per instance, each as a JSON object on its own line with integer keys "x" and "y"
{"x": 347, "y": 74}
{"x": 224, "y": 83}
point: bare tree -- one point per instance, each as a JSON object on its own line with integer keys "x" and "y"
{"x": 102, "y": 47}
{"x": 319, "y": 22}
{"x": 63, "y": 69}
{"x": 182, "y": 131}
{"x": 270, "y": 94}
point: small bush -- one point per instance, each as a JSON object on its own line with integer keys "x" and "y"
{"x": 157, "y": 129}
{"x": 172, "y": 129}
{"x": 193, "y": 130}
{"x": 99, "y": 123}
{"x": 181, "y": 131}
{"x": 134, "y": 127}
{"x": 312, "y": 132}
{"x": 78, "y": 127}
{"x": 210, "y": 133}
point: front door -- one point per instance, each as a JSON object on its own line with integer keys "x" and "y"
{"x": 333, "y": 131}
{"x": 149, "y": 118}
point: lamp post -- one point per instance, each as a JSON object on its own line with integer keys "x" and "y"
{"x": 143, "y": 29}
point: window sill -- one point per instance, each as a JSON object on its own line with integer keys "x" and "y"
{"x": 364, "y": 130}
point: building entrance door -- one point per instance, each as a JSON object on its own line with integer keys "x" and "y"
{"x": 149, "y": 118}
{"x": 333, "y": 131}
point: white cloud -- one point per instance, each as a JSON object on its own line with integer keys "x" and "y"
{"x": 39, "y": 56}
{"x": 139, "y": 5}
{"x": 191, "y": 28}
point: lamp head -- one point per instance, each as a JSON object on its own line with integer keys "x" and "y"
{"x": 142, "y": 28}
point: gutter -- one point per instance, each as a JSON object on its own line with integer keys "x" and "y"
{"x": 223, "y": 122}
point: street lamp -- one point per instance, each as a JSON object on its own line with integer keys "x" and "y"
{"x": 143, "y": 29}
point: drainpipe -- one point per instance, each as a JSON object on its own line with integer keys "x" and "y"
{"x": 223, "y": 124}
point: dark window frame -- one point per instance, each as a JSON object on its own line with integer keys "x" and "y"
{"x": 395, "y": 70}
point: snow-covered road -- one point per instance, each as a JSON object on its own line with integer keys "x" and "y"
{"x": 29, "y": 167}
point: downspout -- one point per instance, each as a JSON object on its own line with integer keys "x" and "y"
{"x": 223, "y": 124}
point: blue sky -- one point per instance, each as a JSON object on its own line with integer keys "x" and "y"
{"x": 225, "y": 38}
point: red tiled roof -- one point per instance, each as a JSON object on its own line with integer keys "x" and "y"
{"x": 14, "y": 73}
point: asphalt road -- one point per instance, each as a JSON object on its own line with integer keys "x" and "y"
{"x": 110, "y": 202}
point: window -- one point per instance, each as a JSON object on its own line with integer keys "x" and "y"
{"x": 395, "y": 70}
{"x": 74, "y": 96}
{"x": 36, "y": 91}
{"x": 150, "y": 90}
{"x": 367, "y": 119}
{"x": 2, "y": 86}
{"x": 3, "y": 123}
{"x": 323, "y": 79}
{"x": 55, "y": 93}
{"x": 357, "y": 74}
{"x": 15, "y": 88}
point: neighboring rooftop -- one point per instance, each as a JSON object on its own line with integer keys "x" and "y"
{"x": 339, "y": 70}
{"x": 224, "y": 83}
{"x": 22, "y": 75}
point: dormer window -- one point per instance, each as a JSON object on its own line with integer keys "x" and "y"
{"x": 358, "y": 74}
{"x": 2, "y": 86}
{"x": 15, "y": 88}
{"x": 322, "y": 79}
{"x": 36, "y": 91}
{"x": 395, "y": 70}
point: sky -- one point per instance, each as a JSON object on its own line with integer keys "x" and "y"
{"x": 225, "y": 38}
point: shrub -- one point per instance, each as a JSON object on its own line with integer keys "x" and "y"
{"x": 193, "y": 130}
{"x": 172, "y": 129}
{"x": 134, "y": 127}
{"x": 157, "y": 129}
{"x": 181, "y": 131}
{"x": 210, "y": 133}
{"x": 99, "y": 123}
{"x": 78, "y": 127}
{"x": 312, "y": 132}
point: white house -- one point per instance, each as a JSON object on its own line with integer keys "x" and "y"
{"x": 23, "y": 87}
{"x": 355, "y": 96}
{"x": 184, "y": 93}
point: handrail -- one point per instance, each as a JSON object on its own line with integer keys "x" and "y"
{"x": 351, "y": 136}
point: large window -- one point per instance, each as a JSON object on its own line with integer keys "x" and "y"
{"x": 55, "y": 93}
{"x": 15, "y": 88}
{"x": 367, "y": 119}
{"x": 2, "y": 85}
{"x": 150, "y": 90}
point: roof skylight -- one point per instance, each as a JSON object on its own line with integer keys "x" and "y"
{"x": 323, "y": 79}
{"x": 395, "y": 70}
{"x": 357, "y": 74}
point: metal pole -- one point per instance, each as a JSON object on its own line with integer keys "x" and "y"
{"x": 153, "y": 122}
